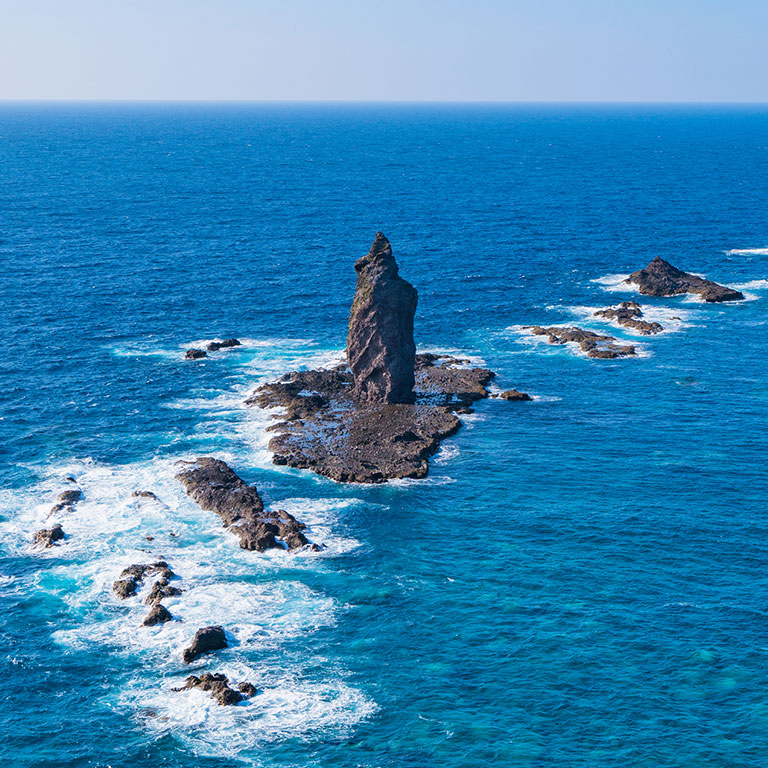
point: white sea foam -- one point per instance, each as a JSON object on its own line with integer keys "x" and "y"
{"x": 673, "y": 319}
{"x": 256, "y": 597}
{"x": 751, "y": 285}
{"x": 287, "y": 707}
{"x": 540, "y": 344}
{"x": 615, "y": 283}
{"x": 447, "y": 452}
{"x": 747, "y": 251}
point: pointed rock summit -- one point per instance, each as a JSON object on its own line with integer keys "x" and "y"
{"x": 380, "y": 347}
{"x": 660, "y": 278}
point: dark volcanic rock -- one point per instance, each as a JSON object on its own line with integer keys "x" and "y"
{"x": 66, "y": 500}
{"x": 160, "y": 590}
{"x": 217, "y": 685}
{"x": 660, "y": 278}
{"x": 248, "y": 690}
{"x": 380, "y": 347}
{"x": 630, "y": 314}
{"x": 130, "y": 578}
{"x": 217, "y": 488}
{"x": 195, "y": 354}
{"x": 326, "y": 429}
{"x": 158, "y": 615}
{"x": 593, "y": 344}
{"x": 215, "y": 346}
{"x": 47, "y": 537}
{"x": 144, "y": 495}
{"x": 124, "y": 588}
{"x": 513, "y": 394}
{"x": 206, "y": 640}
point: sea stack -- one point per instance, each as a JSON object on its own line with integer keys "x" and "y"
{"x": 660, "y": 278}
{"x": 380, "y": 349}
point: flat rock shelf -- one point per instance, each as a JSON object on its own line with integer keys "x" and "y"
{"x": 323, "y": 427}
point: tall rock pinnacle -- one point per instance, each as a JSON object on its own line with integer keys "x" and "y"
{"x": 380, "y": 347}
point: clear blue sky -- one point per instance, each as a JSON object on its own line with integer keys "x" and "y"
{"x": 445, "y": 50}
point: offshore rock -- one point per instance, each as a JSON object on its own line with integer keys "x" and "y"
{"x": 325, "y": 428}
{"x": 195, "y": 354}
{"x": 513, "y": 394}
{"x": 215, "y": 346}
{"x": 660, "y": 278}
{"x": 66, "y": 500}
{"x": 206, "y": 640}
{"x": 630, "y": 314}
{"x": 158, "y": 615}
{"x": 132, "y": 576}
{"x": 380, "y": 347}
{"x": 216, "y": 487}
{"x": 47, "y": 537}
{"x": 592, "y": 344}
{"x": 218, "y": 686}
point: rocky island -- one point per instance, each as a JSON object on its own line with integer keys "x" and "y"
{"x": 381, "y": 415}
{"x": 660, "y": 278}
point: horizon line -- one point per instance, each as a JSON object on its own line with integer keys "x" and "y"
{"x": 478, "y": 102}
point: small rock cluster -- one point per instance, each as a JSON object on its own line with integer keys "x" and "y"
{"x": 593, "y": 344}
{"x": 213, "y": 346}
{"x": 134, "y": 575}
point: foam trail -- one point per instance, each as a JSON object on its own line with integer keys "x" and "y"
{"x": 747, "y": 251}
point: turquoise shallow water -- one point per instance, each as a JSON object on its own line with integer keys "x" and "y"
{"x": 581, "y": 579}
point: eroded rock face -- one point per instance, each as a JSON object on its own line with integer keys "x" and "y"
{"x": 380, "y": 347}
{"x": 217, "y": 488}
{"x": 206, "y": 640}
{"x": 660, "y": 278}
{"x": 47, "y": 537}
{"x": 593, "y": 344}
{"x": 326, "y": 429}
{"x": 630, "y": 314}
{"x": 218, "y": 686}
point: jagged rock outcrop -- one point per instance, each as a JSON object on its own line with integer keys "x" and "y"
{"x": 630, "y": 315}
{"x": 206, "y": 640}
{"x": 47, "y": 537}
{"x": 660, "y": 278}
{"x": 217, "y": 488}
{"x": 215, "y": 346}
{"x": 592, "y": 344}
{"x": 326, "y": 429}
{"x": 380, "y": 347}
{"x": 218, "y": 686}
{"x": 195, "y": 354}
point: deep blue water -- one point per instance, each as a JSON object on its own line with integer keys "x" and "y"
{"x": 581, "y": 581}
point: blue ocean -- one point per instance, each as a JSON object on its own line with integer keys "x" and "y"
{"x": 580, "y": 581}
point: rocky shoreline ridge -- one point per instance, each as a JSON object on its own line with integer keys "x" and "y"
{"x": 381, "y": 415}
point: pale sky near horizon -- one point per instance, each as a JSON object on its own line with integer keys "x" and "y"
{"x": 399, "y": 50}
